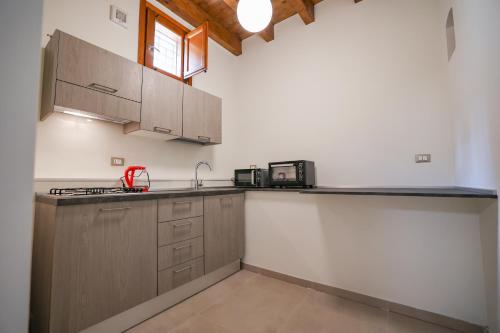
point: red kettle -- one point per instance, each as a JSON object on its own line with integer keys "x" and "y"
{"x": 130, "y": 175}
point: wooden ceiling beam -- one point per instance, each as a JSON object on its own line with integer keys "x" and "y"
{"x": 268, "y": 33}
{"x": 196, "y": 16}
{"x": 305, "y": 8}
{"x": 233, "y": 4}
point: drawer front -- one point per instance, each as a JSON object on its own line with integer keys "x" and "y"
{"x": 178, "y": 275}
{"x": 176, "y": 231}
{"x": 179, "y": 208}
{"x": 90, "y": 66}
{"x": 90, "y": 101}
{"x": 179, "y": 253}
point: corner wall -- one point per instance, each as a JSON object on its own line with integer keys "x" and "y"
{"x": 20, "y": 26}
{"x": 474, "y": 81}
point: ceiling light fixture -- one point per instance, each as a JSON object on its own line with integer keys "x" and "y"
{"x": 255, "y": 15}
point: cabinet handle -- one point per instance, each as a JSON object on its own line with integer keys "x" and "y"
{"x": 183, "y": 269}
{"x": 103, "y": 88}
{"x": 114, "y": 209}
{"x": 203, "y": 138}
{"x": 162, "y": 130}
{"x": 183, "y": 225}
{"x": 183, "y": 247}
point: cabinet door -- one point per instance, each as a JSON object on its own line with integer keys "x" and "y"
{"x": 105, "y": 262}
{"x": 202, "y": 116}
{"x": 89, "y": 66}
{"x": 161, "y": 103}
{"x": 94, "y": 103}
{"x": 224, "y": 230}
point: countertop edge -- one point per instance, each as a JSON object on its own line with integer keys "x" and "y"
{"x": 432, "y": 192}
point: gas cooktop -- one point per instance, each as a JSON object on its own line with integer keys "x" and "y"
{"x": 93, "y": 191}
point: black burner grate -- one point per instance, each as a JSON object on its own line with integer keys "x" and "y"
{"x": 94, "y": 190}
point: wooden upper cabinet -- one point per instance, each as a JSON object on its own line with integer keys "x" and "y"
{"x": 202, "y": 116}
{"x": 81, "y": 78}
{"x": 196, "y": 51}
{"x": 161, "y": 109}
{"x": 89, "y": 66}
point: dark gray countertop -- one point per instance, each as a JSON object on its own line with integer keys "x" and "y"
{"x": 153, "y": 195}
{"x": 441, "y": 192}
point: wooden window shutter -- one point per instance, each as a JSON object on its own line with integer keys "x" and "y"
{"x": 196, "y": 51}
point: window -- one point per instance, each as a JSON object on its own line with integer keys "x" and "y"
{"x": 167, "y": 50}
{"x": 170, "y": 48}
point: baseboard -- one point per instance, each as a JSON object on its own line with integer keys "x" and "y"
{"x": 430, "y": 317}
{"x": 151, "y": 308}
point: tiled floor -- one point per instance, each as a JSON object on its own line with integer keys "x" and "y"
{"x": 249, "y": 302}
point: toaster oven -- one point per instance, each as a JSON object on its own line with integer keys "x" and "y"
{"x": 251, "y": 178}
{"x": 292, "y": 174}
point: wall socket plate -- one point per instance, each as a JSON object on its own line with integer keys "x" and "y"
{"x": 423, "y": 158}
{"x": 117, "y": 161}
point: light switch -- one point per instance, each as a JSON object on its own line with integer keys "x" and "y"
{"x": 423, "y": 158}
{"x": 117, "y": 161}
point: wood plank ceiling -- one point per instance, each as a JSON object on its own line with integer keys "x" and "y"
{"x": 223, "y": 23}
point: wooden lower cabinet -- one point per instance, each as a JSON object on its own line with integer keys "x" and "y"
{"x": 224, "y": 230}
{"x": 94, "y": 261}
{"x": 104, "y": 261}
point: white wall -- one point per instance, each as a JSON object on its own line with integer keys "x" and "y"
{"x": 420, "y": 252}
{"x": 363, "y": 83}
{"x": 474, "y": 78}
{"x": 360, "y": 91}
{"x": 20, "y": 25}
{"x": 70, "y": 147}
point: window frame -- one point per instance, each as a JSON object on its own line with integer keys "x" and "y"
{"x": 147, "y": 16}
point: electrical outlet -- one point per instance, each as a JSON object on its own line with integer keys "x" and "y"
{"x": 423, "y": 158}
{"x": 117, "y": 161}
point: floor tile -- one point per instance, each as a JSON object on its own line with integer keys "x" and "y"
{"x": 183, "y": 311}
{"x": 248, "y": 302}
{"x": 262, "y": 305}
{"x": 199, "y": 325}
{"x": 322, "y": 313}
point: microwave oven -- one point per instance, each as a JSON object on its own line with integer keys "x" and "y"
{"x": 251, "y": 178}
{"x": 292, "y": 174}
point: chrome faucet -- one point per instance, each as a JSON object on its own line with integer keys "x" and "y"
{"x": 196, "y": 183}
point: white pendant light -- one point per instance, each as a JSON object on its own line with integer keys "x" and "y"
{"x": 255, "y": 15}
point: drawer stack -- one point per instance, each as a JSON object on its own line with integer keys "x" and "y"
{"x": 180, "y": 242}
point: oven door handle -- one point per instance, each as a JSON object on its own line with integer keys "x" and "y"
{"x": 282, "y": 165}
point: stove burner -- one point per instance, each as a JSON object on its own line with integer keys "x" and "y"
{"x": 94, "y": 191}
